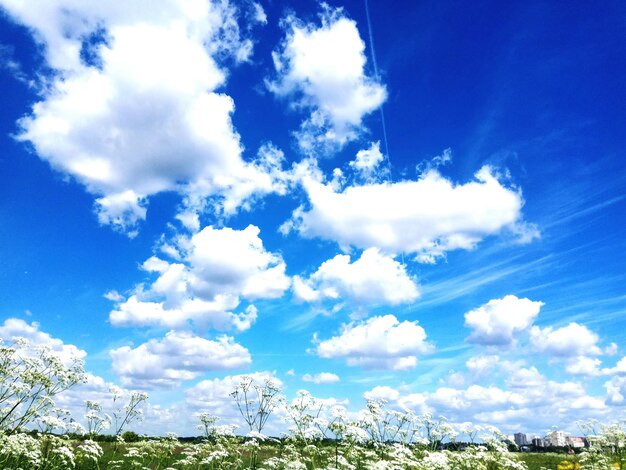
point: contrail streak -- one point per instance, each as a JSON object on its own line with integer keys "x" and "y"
{"x": 377, "y": 77}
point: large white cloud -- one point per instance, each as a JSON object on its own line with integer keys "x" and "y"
{"x": 372, "y": 278}
{"x": 569, "y": 341}
{"x": 322, "y": 69}
{"x": 143, "y": 115}
{"x": 216, "y": 268}
{"x": 377, "y": 343}
{"x": 499, "y": 321}
{"x": 427, "y": 217}
{"x": 178, "y": 357}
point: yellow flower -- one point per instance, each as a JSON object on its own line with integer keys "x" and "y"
{"x": 567, "y": 465}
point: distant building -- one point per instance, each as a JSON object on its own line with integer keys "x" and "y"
{"x": 521, "y": 439}
{"x": 576, "y": 442}
{"x": 538, "y": 441}
{"x": 556, "y": 439}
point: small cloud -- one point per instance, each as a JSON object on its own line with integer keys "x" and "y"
{"x": 368, "y": 160}
{"x": 113, "y": 296}
{"x": 434, "y": 163}
{"x": 611, "y": 349}
{"x": 321, "y": 378}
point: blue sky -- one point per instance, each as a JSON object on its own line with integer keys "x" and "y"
{"x": 198, "y": 190}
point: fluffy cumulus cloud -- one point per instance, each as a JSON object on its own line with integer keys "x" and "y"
{"x": 499, "y": 321}
{"x": 569, "y": 341}
{"x": 427, "y": 217}
{"x": 14, "y": 328}
{"x": 377, "y": 343}
{"x": 178, "y": 357}
{"x": 216, "y": 267}
{"x": 321, "y": 378}
{"x": 322, "y": 68}
{"x": 134, "y": 107}
{"x": 372, "y": 278}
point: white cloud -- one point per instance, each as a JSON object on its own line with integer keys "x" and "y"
{"x": 539, "y": 403}
{"x": 611, "y": 349}
{"x": 322, "y": 69}
{"x": 144, "y": 115}
{"x": 499, "y": 321}
{"x": 18, "y": 328}
{"x": 526, "y": 377}
{"x": 620, "y": 368}
{"x": 583, "y": 365}
{"x": 373, "y": 278}
{"x": 218, "y": 267}
{"x": 367, "y": 160}
{"x": 462, "y": 399}
{"x": 178, "y": 357}
{"x": 568, "y": 341}
{"x": 616, "y": 391}
{"x": 436, "y": 162}
{"x": 377, "y": 343}
{"x": 382, "y": 392}
{"x": 590, "y": 366}
{"x": 528, "y": 401}
{"x": 481, "y": 365}
{"x": 321, "y": 378}
{"x": 427, "y": 217}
